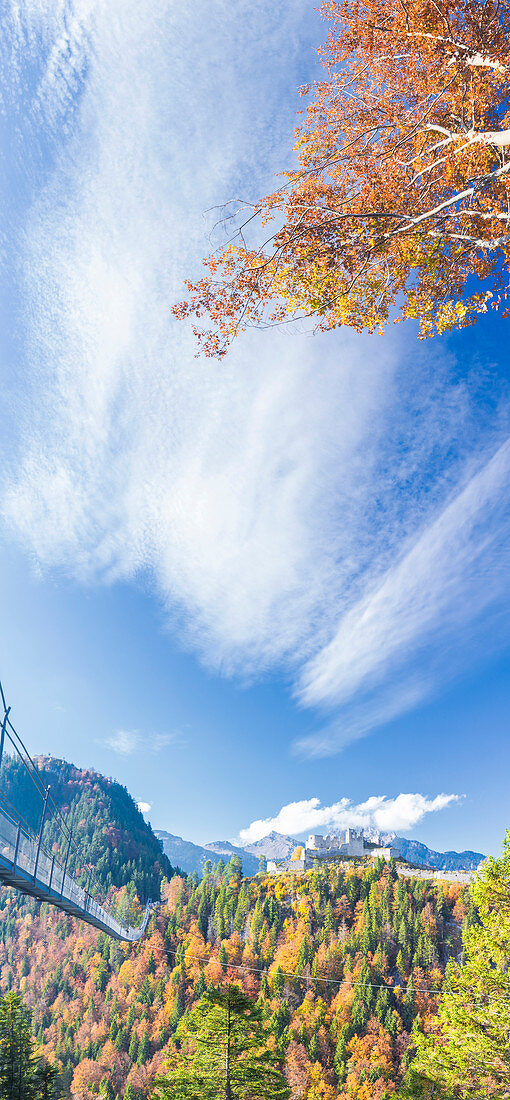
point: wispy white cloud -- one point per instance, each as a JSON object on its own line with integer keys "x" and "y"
{"x": 379, "y": 812}
{"x": 454, "y": 571}
{"x": 423, "y": 591}
{"x": 325, "y": 504}
{"x": 125, "y": 742}
{"x": 159, "y": 741}
{"x": 359, "y": 715}
{"x": 144, "y": 807}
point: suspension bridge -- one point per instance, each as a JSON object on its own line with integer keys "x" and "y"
{"x": 27, "y": 864}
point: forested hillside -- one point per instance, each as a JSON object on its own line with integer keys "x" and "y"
{"x": 345, "y": 962}
{"x": 107, "y": 825}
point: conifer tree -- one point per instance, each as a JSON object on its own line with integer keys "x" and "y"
{"x": 222, "y": 955}
{"x": 363, "y": 998}
{"x": 17, "y": 1062}
{"x": 223, "y": 1053}
{"x": 303, "y": 956}
{"x": 106, "y": 1089}
{"x": 203, "y": 916}
{"x": 133, "y": 1047}
{"x": 340, "y": 1059}
{"x": 329, "y": 923}
{"x": 144, "y": 1050}
{"x": 408, "y": 1004}
{"x": 47, "y": 1082}
{"x": 22, "y": 1075}
{"x": 200, "y": 984}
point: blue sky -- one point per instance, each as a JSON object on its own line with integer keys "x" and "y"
{"x": 266, "y": 592}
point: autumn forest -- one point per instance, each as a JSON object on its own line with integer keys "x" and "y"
{"x": 355, "y": 978}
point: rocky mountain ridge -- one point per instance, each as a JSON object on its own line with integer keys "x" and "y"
{"x": 192, "y": 857}
{"x": 272, "y": 846}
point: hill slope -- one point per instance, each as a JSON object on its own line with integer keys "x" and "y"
{"x": 106, "y": 823}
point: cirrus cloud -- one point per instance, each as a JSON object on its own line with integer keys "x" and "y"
{"x": 337, "y": 507}
{"x": 127, "y": 742}
{"x": 124, "y": 742}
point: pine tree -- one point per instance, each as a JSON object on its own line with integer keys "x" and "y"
{"x": 222, "y": 955}
{"x": 408, "y": 1004}
{"x": 278, "y": 982}
{"x": 47, "y": 1082}
{"x": 256, "y": 923}
{"x": 200, "y": 985}
{"x": 203, "y": 916}
{"x": 223, "y": 1053}
{"x": 303, "y": 956}
{"x": 106, "y": 1089}
{"x": 401, "y": 965}
{"x": 382, "y": 1005}
{"x": 144, "y": 1050}
{"x": 329, "y": 922}
{"x": 340, "y": 1060}
{"x": 133, "y": 1047}
{"x": 120, "y": 1039}
{"x": 177, "y": 1011}
{"x": 17, "y": 1062}
{"x": 362, "y": 1001}
{"x": 313, "y": 1047}
{"x": 23, "y": 1076}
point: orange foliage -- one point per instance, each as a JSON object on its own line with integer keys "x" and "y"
{"x": 86, "y": 1078}
{"x": 402, "y": 189}
{"x": 297, "y": 1070}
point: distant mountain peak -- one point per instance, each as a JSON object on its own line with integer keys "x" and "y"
{"x": 416, "y": 852}
{"x": 193, "y": 857}
{"x": 273, "y": 846}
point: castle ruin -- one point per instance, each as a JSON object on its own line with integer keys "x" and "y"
{"x": 350, "y": 844}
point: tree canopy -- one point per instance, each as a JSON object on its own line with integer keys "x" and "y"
{"x": 399, "y": 205}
